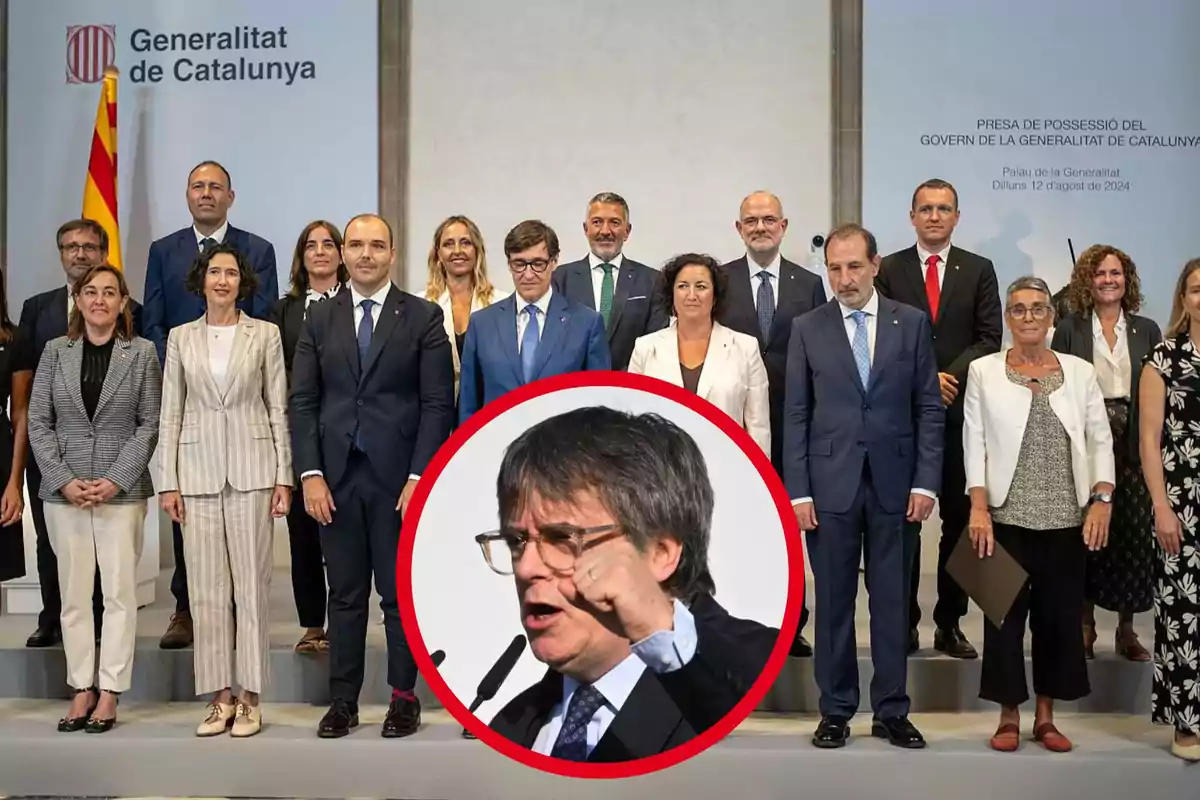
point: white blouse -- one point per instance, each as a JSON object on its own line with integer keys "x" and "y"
{"x": 1114, "y": 373}
{"x": 220, "y": 348}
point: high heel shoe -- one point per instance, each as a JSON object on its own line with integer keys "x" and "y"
{"x": 104, "y": 725}
{"x": 72, "y": 724}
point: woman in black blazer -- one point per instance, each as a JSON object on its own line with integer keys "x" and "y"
{"x": 317, "y": 274}
{"x": 16, "y": 380}
{"x": 1104, "y": 294}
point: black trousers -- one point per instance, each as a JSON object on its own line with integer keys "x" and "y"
{"x": 836, "y": 547}
{"x": 308, "y": 566}
{"x": 1052, "y": 599}
{"x": 359, "y": 544}
{"x": 179, "y": 586}
{"x": 954, "y": 507}
{"x": 47, "y": 563}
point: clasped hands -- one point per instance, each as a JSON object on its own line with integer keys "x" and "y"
{"x": 88, "y": 494}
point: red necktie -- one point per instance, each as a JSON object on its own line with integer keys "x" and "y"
{"x": 932, "y": 291}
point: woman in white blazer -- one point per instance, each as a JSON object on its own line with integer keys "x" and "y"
{"x": 1040, "y": 473}
{"x": 698, "y": 353}
{"x": 458, "y": 280}
{"x": 226, "y": 472}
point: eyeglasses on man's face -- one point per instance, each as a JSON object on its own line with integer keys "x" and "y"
{"x": 518, "y": 266}
{"x": 559, "y": 546}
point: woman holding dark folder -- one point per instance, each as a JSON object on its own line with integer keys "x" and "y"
{"x": 1040, "y": 472}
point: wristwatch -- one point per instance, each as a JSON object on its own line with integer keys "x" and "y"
{"x": 1101, "y": 497}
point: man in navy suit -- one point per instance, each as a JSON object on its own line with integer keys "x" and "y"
{"x": 766, "y": 292}
{"x": 372, "y": 400}
{"x": 82, "y": 244}
{"x": 168, "y": 304}
{"x": 863, "y": 422}
{"x": 534, "y": 333}
{"x": 625, "y": 292}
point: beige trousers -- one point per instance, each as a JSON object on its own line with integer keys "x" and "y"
{"x": 228, "y": 538}
{"x": 109, "y": 537}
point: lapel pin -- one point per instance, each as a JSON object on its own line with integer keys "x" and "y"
{"x": 895, "y": 322}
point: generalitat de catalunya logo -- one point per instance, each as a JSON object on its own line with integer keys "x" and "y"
{"x": 90, "y": 48}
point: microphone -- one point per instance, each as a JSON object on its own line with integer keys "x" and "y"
{"x": 1071, "y": 247}
{"x": 495, "y": 676}
{"x": 437, "y": 657}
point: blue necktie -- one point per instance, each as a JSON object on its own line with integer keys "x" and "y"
{"x": 529, "y": 343}
{"x": 365, "y": 329}
{"x": 862, "y": 353}
{"x": 766, "y": 304}
{"x": 571, "y": 743}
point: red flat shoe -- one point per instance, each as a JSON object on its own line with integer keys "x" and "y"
{"x": 1007, "y": 738}
{"x": 1050, "y": 738}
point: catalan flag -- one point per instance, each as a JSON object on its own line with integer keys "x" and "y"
{"x": 100, "y": 188}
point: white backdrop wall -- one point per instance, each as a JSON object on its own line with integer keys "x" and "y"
{"x": 1034, "y": 64}
{"x": 297, "y": 147}
{"x": 527, "y": 108}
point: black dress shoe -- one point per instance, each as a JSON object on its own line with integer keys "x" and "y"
{"x": 899, "y": 732}
{"x": 403, "y": 718}
{"x": 832, "y": 733}
{"x": 800, "y": 648}
{"x": 338, "y": 720}
{"x": 914, "y": 641}
{"x": 952, "y": 642}
{"x": 44, "y": 637}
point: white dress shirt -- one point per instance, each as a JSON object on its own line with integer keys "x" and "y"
{"x": 1114, "y": 373}
{"x": 218, "y": 234}
{"x": 872, "y": 310}
{"x": 664, "y": 651}
{"x": 942, "y": 255}
{"x": 756, "y": 279}
{"x": 220, "y": 349}
{"x": 543, "y": 308}
{"x": 594, "y": 262}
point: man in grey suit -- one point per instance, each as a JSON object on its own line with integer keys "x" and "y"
{"x": 622, "y": 290}
{"x": 863, "y": 421}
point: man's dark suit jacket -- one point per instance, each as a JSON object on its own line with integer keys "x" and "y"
{"x": 832, "y": 424}
{"x": 799, "y": 291}
{"x": 44, "y": 317}
{"x": 970, "y": 321}
{"x": 636, "y": 309}
{"x": 1073, "y": 336}
{"x": 168, "y": 302}
{"x": 403, "y": 395}
{"x": 664, "y": 710}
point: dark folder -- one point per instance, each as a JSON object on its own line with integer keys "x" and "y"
{"x": 993, "y": 582}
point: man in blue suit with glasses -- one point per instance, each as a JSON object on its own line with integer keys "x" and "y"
{"x": 533, "y": 333}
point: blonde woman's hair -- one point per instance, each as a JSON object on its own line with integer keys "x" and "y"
{"x": 1179, "y": 316}
{"x": 437, "y": 282}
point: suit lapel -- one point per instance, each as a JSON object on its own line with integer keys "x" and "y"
{"x": 391, "y": 315}
{"x": 1138, "y": 338}
{"x": 914, "y": 272}
{"x": 71, "y": 360}
{"x": 949, "y": 283}
{"x": 887, "y": 340}
{"x": 342, "y": 319}
{"x": 531, "y": 716}
{"x": 557, "y": 318}
{"x": 741, "y": 300}
{"x": 841, "y": 348}
{"x": 57, "y": 314}
{"x": 620, "y": 295}
{"x": 787, "y": 297}
{"x": 579, "y": 285}
{"x": 714, "y": 360}
{"x": 118, "y": 367}
{"x": 643, "y": 727}
{"x": 1087, "y": 339}
{"x": 198, "y": 333}
{"x": 506, "y": 334}
{"x": 242, "y": 338}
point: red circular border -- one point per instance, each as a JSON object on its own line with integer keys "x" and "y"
{"x": 702, "y": 741}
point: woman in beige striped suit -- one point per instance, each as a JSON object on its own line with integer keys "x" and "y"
{"x": 226, "y": 472}
{"x": 458, "y": 280}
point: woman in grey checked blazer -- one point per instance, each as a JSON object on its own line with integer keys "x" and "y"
{"x": 226, "y": 471}
{"x": 93, "y": 427}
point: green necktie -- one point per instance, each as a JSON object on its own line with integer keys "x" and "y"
{"x": 606, "y": 292}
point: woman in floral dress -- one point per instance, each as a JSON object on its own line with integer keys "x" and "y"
{"x": 1170, "y": 444}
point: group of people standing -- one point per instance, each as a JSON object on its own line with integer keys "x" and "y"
{"x": 325, "y": 405}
